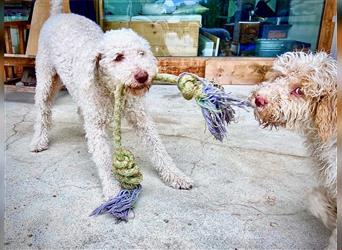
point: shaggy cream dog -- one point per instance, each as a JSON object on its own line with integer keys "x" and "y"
{"x": 74, "y": 50}
{"x": 302, "y": 96}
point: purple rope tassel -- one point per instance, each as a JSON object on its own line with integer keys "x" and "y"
{"x": 120, "y": 205}
{"x": 216, "y": 109}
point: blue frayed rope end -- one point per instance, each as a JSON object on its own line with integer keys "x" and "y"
{"x": 216, "y": 106}
{"x": 120, "y": 205}
{"x": 215, "y": 103}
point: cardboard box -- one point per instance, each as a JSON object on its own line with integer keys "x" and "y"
{"x": 167, "y": 36}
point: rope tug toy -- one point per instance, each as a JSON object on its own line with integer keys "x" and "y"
{"x": 216, "y": 109}
{"x": 215, "y": 103}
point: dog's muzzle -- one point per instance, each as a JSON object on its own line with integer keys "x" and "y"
{"x": 138, "y": 89}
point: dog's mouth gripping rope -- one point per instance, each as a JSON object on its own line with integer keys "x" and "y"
{"x": 216, "y": 108}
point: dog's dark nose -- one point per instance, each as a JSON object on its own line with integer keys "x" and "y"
{"x": 141, "y": 76}
{"x": 260, "y": 101}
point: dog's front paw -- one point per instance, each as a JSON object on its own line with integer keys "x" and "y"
{"x": 110, "y": 190}
{"x": 39, "y": 144}
{"x": 177, "y": 179}
{"x": 332, "y": 241}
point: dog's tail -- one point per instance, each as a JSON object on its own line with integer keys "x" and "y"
{"x": 56, "y": 7}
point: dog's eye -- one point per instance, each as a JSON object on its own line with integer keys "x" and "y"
{"x": 297, "y": 92}
{"x": 119, "y": 57}
{"x": 141, "y": 53}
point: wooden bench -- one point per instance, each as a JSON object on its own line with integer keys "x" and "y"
{"x": 14, "y": 63}
{"x": 13, "y": 69}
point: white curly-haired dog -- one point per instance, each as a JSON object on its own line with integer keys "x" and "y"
{"x": 74, "y": 50}
{"x": 303, "y": 96}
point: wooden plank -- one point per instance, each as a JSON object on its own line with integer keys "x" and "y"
{"x": 327, "y": 26}
{"x": 172, "y": 65}
{"x": 9, "y": 71}
{"x": 224, "y": 70}
{"x": 21, "y": 34}
{"x": 8, "y": 40}
{"x": 16, "y": 24}
{"x": 114, "y": 25}
{"x": 18, "y": 56}
{"x": 177, "y": 65}
{"x": 41, "y": 12}
{"x": 237, "y": 70}
{"x": 21, "y": 31}
{"x": 18, "y": 60}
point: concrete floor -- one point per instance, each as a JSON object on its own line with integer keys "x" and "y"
{"x": 249, "y": 191}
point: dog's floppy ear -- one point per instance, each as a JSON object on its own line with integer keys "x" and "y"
{"x": 325, "y": 118}
{"x": 320, "y": 75}
{"x": 97, "y": 61}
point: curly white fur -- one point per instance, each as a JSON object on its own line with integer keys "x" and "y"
{"x": 303, "y": 97}
{"x": 74, "y": 50}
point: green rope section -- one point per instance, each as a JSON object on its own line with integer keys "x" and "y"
{"x": 166, "y": 78}
{"x": 124, "y": 167}
{"x": 187, "y": 83}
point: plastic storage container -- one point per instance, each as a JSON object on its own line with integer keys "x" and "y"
{"x": 275, "y": 47}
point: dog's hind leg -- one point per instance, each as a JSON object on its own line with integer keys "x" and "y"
{"x": 169, "y": 173}
{"x": 80, "y": 117}
{"x": 324, "y": 208}
{"x": 333, "y": 240}
{"x": 46, "y": 89}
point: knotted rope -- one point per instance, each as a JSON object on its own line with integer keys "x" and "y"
{"x": 125, "y": 169}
